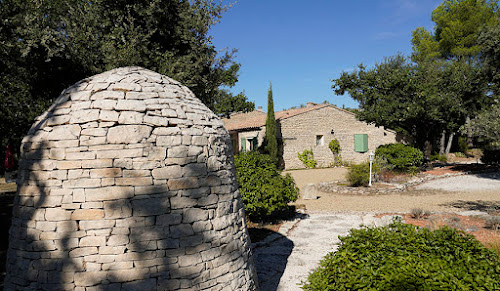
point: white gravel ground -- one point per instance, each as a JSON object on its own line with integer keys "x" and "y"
{"x": 477, "y": 182}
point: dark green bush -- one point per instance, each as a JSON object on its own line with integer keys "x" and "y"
{"x": 264, "y": 191}
{"x": 359, "y": 175}
{"x": 491, "y": 156}
{"x": 403, "y": 157}
{"x": 405, "y": 257}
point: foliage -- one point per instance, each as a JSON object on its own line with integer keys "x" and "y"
{"x": 491, "y": 156}
{"x": 444, "y": 85}
{"x": 405, "y": 257}
{"x": 334, "y": 146}
{"x": 45, "y": 46}
{"x": 270, "y": 143}
{"x": 226, "y": 103}
{"x": 403, "y": 157}
{"x": 438, "y": 157}
{"x": 463, "y": 146}
{"x": 307, "y": 157}
{"x": 264, "y": 191}
{"x": 486, "y": 125}
{"x": 359, "y": 175}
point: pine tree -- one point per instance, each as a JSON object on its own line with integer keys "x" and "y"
{"x": 270, "y": 141}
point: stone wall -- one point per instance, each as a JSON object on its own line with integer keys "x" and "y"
{"x": 127, "y": 183}
{"x": 299, "y": 133}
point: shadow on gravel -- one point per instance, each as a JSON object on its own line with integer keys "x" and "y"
{"x": 271, "y": 260}
{"x": 489, "y": 175}
{"x": 480, "y": 205}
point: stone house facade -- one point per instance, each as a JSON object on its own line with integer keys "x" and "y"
{"x": 311, "y": 127}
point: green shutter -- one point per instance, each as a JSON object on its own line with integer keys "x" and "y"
{"x": 361, "y": 143}
{"x": 243, "y": 142}
{"x": 254, "y": 144}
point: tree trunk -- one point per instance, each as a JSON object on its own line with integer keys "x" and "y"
{"x": 450, "y": 141}
{"x": 442, "y": 142}
{"x": 469, "y": 133}
{"x": 427, "y": 149}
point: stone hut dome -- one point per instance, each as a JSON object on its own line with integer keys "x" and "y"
{"x": 127, "y": 183}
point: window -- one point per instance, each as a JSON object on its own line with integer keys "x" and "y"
{"x": 243, "y": 144}
{"x": 319, "y": 140}
{"x": 361, "y": 143}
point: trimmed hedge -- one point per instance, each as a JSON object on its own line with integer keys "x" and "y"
{"x": 264, "y": 191}
{"x": 405, "y": 257}
{"x": 401, "y": 157}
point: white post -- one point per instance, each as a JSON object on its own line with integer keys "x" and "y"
{"x": 371, "y": 155}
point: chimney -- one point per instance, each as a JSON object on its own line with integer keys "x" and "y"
{"x": 311, "y": 104}
{"x": 259, "y": 108}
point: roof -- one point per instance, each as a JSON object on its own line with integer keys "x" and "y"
{"x": 257, "y": 118}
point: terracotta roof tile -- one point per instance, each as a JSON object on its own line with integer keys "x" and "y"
{"x": 257, "y": 118}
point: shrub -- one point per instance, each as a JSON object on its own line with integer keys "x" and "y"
{"x": 491, "y": 156}
{"x": 406, "y": 257}
{"x": 307, "y": 157}
{"x": 438, "y": 157}
{"x": 334, "y": 146}
{"x": 264, "y": 191}
{"x": 404, "y": 158}
{"x": 463, "y": 146}
{"x": 359, "y": 175}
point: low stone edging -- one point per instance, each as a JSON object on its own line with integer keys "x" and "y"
{"x": 333, "y": 187}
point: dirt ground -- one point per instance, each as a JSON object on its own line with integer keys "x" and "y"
{"x": 429, "y": 200}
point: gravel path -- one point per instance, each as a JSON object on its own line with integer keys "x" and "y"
{"x": 286, "y": 262}
{"x": 476, "y": 182}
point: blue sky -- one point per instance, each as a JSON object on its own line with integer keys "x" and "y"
{"x": 300, "y": 46}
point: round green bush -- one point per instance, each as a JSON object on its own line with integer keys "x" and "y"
{"x": 264, "y": 191}
{"x": 402, "y": 157}
{"x": 359, "y": 175}
{"x": 405, "y": 257}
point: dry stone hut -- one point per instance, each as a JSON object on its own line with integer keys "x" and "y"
{"x": 127, "y": 183}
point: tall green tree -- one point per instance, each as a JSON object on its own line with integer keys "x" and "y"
{"x": 270, "y": 140}
{"x": 226, "y": 103}
{"x": 45, "y": 46}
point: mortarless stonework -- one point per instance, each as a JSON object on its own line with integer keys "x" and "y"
{"x": 127, "y": 183}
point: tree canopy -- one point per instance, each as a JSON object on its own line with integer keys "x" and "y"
{"x": 443, "y": 84}
{"x": 45, "y": 46}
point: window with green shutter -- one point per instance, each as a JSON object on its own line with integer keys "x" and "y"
{"x": 361, "y": 143}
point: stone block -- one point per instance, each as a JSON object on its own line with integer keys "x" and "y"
{"x": 106, "y": 173}
{"x": 128, "y": 133}
{"x": 194, "y": 214}
{"x": 118, "y": 240}
{"x": 84, "y": 116}
{"x": 109, "y": 193}
{"x": 183, "y": 183}
{"x": 83, "y": 251}
{"x": 92, "y": 241}
{"x": 132, "y": 105}
{"x": 169, "y": 172}
{"x": 96, "y": 224}
{"x": 104, "y": 104}
{"x": 87, "y": 214}
{"x": 56, "y": 214}
{"x": 130, "y": 117}
{"x": 106, "y": 115}
{"x": 310, "y": 192}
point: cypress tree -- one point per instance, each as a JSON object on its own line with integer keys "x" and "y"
{"x": 270, "y": 141}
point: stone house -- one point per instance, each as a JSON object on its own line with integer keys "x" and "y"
{"x": 310, "y": 127}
